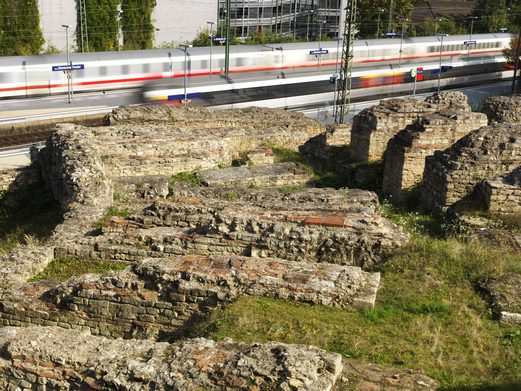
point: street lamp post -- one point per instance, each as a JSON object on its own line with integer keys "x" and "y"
{"x": 120, "y": 11}
{"x": 184, "y": 48}
{"x": 211, "y": 44}
{"x": 338, "y": 40}
{"x": 472, "y": 20}
{"x": 378, "y": 24}
{"x": 401, "y": 42}
{"x": 310, "y": 13}
{"x": 436, "y": 26}
{"x": 390, "y": 24}
{"x": 441, "y": 36}
{"x": 69, "y": 72}
{"x": 321, "y": 23}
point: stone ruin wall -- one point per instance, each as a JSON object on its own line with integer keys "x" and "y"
{"x": 503, "y": 194}
{"x": 503, "y": 109}
{"x": 162, "y": 296}
{"x": 406, "y": 152}
{"x": 374, "y": 127}
{"x": 28, "y": 360}
{"x": 164, "y": 141}
{"x": 331, "y": 147}
{"x": 452, "y": 175}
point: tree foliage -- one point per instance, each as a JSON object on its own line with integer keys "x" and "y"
{"x": 432, "y": 26}
{"x": 510, "y": 52}
{"x": 368, "y": 11}
{"x": 102, "y": 24}
{"x": 493, "y": 15}
{"x": 138, "y": 30}
{"x": 20, "y": 32}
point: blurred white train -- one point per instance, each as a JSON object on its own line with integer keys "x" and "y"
{"x": 282, "y": 68}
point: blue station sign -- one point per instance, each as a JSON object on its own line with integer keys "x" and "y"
{"x": 219, "y": 39}
{"x": 72, "y": 67}
{"x": 444, "y": 68}
{"x": 320, "y": 51}
{"x": 468, "y": 43}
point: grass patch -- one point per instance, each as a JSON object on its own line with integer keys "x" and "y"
{"x": 281, "y": 155}
{"x": 109, "y": 213}
{"x": 190, "y": 178}
{"x": 231, "y": 196}
{"x": 288, "y": 190}
{"x": 63, "y": 269}
{"x": 429, "y": 315}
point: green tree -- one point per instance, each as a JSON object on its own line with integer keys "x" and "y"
{"x": 510, "y": 52}
{"x": 368, "y": 11}
{"x": 138, "y": 30}
{"x": 493, "y": 15}
{"x": 102, "y": 22}
{"x": 202, "y": 38}
{"x": 20, "y": 32}
{"x": 432, "y": 26}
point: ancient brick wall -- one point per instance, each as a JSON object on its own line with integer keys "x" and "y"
{"x": 503, "y": 109}
{"x": 452, "y": 174}
{"x": 72, "y": 168}
{"x": 159, "y": 297}
{"x": 406, "y": 152}
{"x": 503, "y": 194}
{"x": 374, "y": 127}
{"x": 171, "y": 140}
{"x": 331, "y": 147}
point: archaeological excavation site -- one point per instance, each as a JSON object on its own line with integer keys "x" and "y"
{"x": 255, "y": 249}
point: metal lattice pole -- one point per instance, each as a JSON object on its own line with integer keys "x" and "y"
{"x": 84, "y": 35}
{"x": 228, "y": 37}
{"x": 346, "y": 68}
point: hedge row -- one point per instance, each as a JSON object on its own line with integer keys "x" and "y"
{"x": 20, "y": 32}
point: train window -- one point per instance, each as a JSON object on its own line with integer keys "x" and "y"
{"x": 103, "y": 71}
{"x": 146, "y": 68}
{"x": 166, "y": 67}
{"x": 125, "y": 69}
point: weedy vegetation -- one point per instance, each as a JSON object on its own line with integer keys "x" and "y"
{"x": 63, "y": 269}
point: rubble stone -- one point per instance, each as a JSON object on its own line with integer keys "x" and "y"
{"x": 368, "y": 377}
{"x": 49, "y": 357}
{"x": 406, "y": 152}
{"x": 505, "y": 292}
{"x": 452, "y": 175}
{"x": 374, "y": 127}
{"x": 503, "y": 109}
{"x": 266, "y": 175}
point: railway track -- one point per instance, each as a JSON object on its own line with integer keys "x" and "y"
{"x": 10, "y": 141}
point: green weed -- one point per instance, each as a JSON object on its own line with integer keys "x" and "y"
{"x": 63, "y": 269}
{"x": 188, "y": 177}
